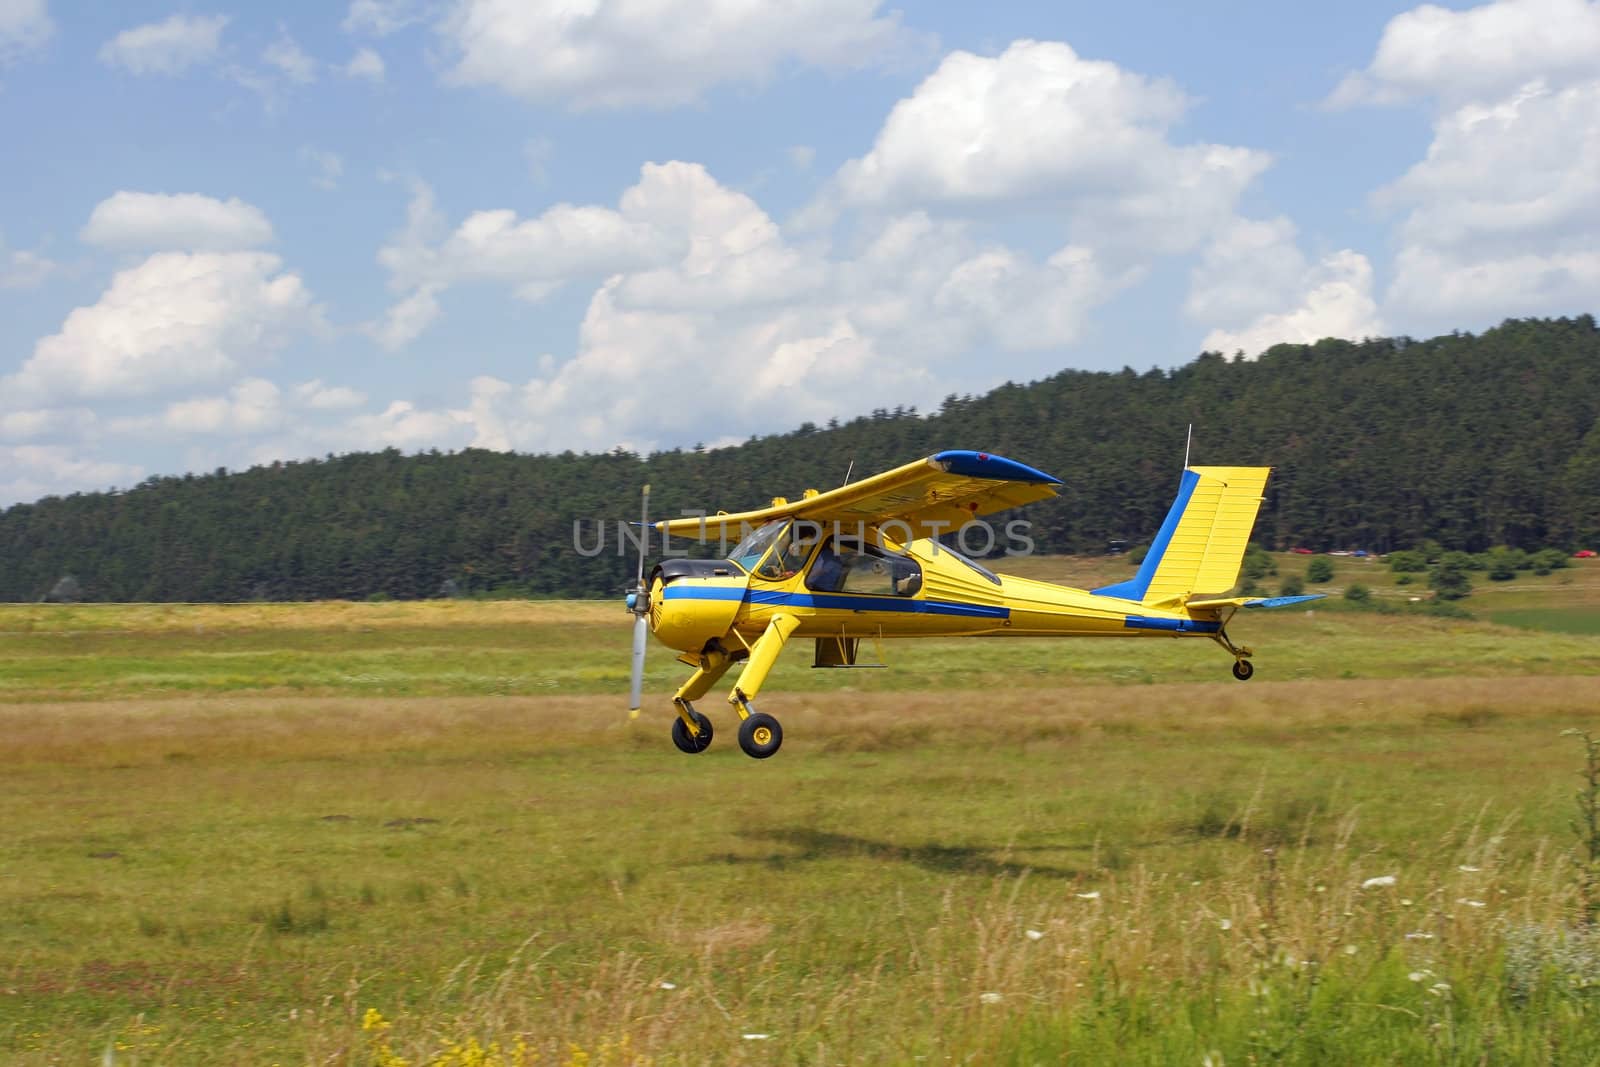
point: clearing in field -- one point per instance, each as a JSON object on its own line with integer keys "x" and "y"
{"x": 359, "y": 834}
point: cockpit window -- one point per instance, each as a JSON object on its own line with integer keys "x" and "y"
{"x": 747, "y": 553}
{"x": 848, "y": 567}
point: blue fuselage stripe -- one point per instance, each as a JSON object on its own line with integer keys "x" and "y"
{"x": 841, "y": 601}
{"x": 1190, "y": 626}
{"x": 684, "y": 592}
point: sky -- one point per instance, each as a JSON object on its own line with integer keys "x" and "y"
{"x": 232, "y": 234}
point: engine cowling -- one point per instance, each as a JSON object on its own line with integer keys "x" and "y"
{"x": 693, "y": 601}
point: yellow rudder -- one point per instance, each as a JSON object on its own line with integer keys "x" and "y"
{"x": 1205, "y": 548}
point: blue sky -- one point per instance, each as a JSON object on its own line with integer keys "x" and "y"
{"x": 230, "y": 234}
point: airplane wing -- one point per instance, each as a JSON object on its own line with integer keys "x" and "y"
{"x": 930, "y": 496}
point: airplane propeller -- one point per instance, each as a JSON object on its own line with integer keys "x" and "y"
{"x": 639, "y": 605}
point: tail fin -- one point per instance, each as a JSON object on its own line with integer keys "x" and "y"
{"x": 1202, "y": 541}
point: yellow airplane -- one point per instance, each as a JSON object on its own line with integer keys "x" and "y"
{"x": 861, "y": 562}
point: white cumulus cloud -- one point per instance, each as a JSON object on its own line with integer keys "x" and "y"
{"x": 1039, "y": 124}
{"x": 168, "y": 47}
{"x": 320, "y": 397}
{"x": 1503, "y": 215}
{"x": 177, "y": 319}
{"x": 253, "y": 406}
{"x": 134, "y": 220}
{"x": 28, "y": 472}
{"x": 383, "y": 17}
{"x": 811, "y": 334}
{"x": 290, "y": 60}
{"x": 25, "y": 26}
{"x": 366, "y": 64}
{"x": 1481, "y": 53}
{"x": 649, "y": 53}
{"x": 31, "y": 425}
{"x": 22, "y": 268}
{"x": 1335, "y": 300}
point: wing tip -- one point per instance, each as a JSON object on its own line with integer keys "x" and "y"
{"x": 988, "y": 465}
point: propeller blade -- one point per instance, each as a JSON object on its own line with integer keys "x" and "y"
{"x": 639, "y": 602}
{"x": 641, "y": 637}
{"x": 644, "y": 529}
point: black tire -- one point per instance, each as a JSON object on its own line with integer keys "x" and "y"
{"x": 691, "y": 744}
{"x": 1242, "y": 669}
{"x": 760, "y": 735}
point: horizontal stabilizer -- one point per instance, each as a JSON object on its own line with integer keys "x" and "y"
{"x": 1254, "y": 601}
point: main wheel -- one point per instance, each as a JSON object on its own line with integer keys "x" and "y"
{"x": 760, "y": 735}
{"x": 1242, "y": 669}
{"x": 691, "y": 743}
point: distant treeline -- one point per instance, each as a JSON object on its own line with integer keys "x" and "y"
{"x": 1470, "y": 441}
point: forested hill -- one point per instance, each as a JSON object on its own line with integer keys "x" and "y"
{"x": 1471, "y": 441}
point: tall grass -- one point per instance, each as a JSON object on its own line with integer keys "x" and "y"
{"x": 1320, "y": 870}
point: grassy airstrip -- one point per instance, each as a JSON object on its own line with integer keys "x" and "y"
{"x": 428, "y": 833}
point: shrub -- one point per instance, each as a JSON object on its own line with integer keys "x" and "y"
{"x": 1257, "y": 564}
{"x": 1407, "y": 561}
{"x": 1500, "y": 567}
{"x": 1357, "y": 593}
{"x": 1549, "y": 559}
{"x": 1320, "y": 570}
{"x": 1292, "y": 586}
{"x": 1449, "y": 579}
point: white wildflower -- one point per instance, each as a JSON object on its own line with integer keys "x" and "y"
{"x": 755, "y": 1037}
{"x": 1351, "y": 950}
{"x": 1378, "y": 882}
{"x": 1093, "y": 894}
{"x": 1418, "y": 935}
{"x": 1471, "y": 903}
{"x": 990, "y": 998}
{"x": 667, "y": 985}
{"x": 1225, "y": 924}
{"x": 1033, "y": 935}
{"x": 1467, "y": 868}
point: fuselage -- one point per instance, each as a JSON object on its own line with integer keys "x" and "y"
{"x": 922, "y": 589}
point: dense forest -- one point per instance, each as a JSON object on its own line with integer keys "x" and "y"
{"x": 1470, "y": 441}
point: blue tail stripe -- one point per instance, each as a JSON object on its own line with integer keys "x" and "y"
{"x": 1136, "y": 587}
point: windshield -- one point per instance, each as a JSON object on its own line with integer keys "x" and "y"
{"x": 748, "y": 553}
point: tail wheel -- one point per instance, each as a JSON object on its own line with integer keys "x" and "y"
{"x": 760, "y": 735}
{"x": 692, "y": 743}
{"x": 1242, "y": 669}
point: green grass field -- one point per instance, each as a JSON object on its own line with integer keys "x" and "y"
{"x": 235, "y": 834}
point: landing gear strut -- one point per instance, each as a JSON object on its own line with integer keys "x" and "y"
{"x": 760, "y": 735}
{"x": 691, "y": 731}
{"x": 1243, "y": 669}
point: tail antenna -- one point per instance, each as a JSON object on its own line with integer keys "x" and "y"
{"x": 1188, "y": 441}
{"x": 848, "y": 470}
